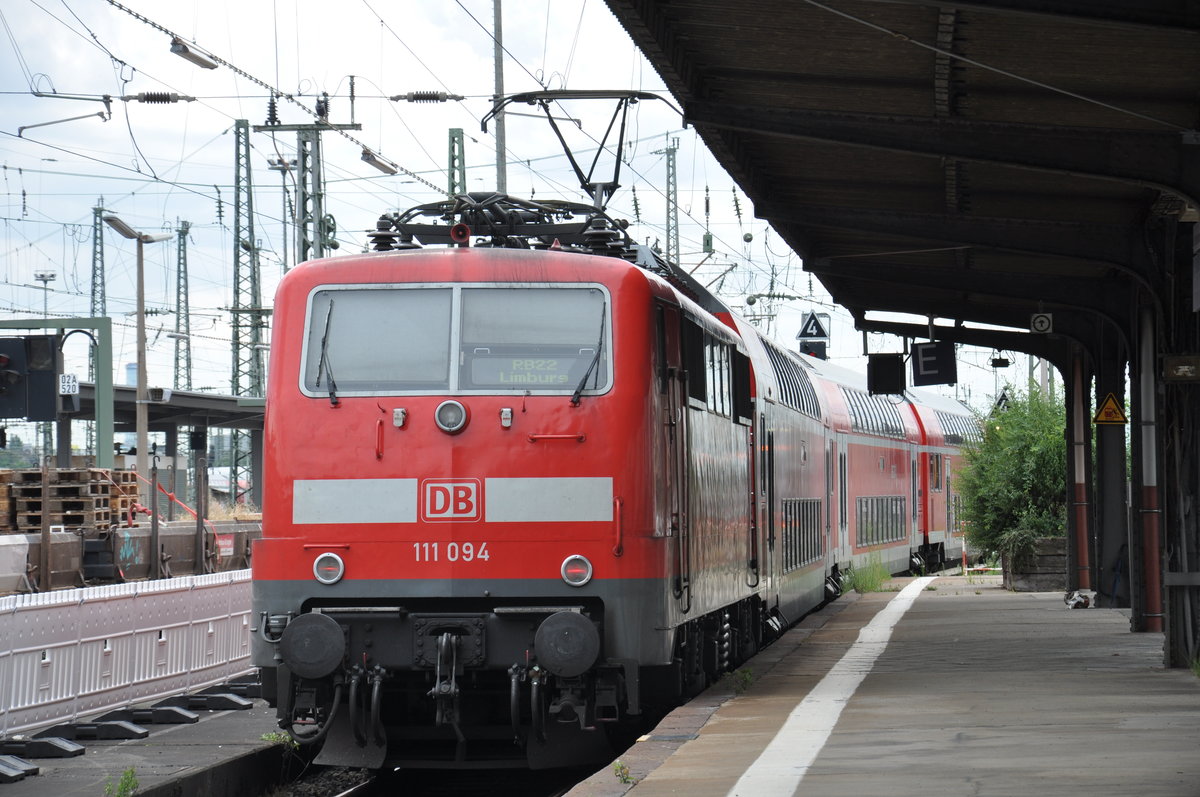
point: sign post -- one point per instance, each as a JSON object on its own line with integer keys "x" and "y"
{"x": 1110, "y": 413}
{"x": 934, "y": 364}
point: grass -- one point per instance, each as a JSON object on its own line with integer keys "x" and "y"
{"x": 125, "y": 787}
{"x": 869, "y": 578}
{"x": 740, "y": 679}
{"x": 280, "y": 738}
{"x": 220, "y": 510}
{"x": 622, "y": 772}
{"x": 1196, "y": 667}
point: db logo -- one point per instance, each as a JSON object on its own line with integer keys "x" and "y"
{"x": 451, "y": 500}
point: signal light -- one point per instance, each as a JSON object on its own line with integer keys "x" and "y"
{"x": 14, "y": 399}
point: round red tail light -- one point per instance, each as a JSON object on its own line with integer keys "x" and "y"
{"x": 576, "y": 570}
{"x": 328, "y": 568}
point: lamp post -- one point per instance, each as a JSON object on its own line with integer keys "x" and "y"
{"x": 141, "y": 417}
{"x": 45, "y": 277}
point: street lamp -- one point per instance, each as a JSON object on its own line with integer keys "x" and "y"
{"x": 141, "y": 417}
{"x": 45, "y": 277}
{"x": 192, "y": 53}
{"x": 379, "y": 163}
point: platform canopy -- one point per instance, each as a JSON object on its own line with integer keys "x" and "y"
{"x": 977, "y": 162}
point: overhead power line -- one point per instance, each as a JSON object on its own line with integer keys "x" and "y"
{"x": 263, "y": 84}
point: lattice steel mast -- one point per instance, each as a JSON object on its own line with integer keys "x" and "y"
{"x": 672, "y": 235}
{"x": 99, "y": 302}
{"x": 249, "y": 317}
{"x": 183, "y": 323}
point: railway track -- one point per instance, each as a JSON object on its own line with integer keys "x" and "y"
{"x": 339, "y": 782}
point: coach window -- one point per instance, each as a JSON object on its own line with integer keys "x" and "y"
{"x": 935, "y": 472}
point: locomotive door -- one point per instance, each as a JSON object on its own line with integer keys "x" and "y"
{"x": 830, "y": 486}
{"x": 673, "y": 387}
{"x": 949, "y": 495}
{"x": 766, "y": 484}
{"x": 919, "y": 535}
{"x": 844, "y": 549}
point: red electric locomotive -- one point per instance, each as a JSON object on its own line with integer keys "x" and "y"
{"x": 523, "y": 492}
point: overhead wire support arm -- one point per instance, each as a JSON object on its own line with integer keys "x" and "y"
{"x": 21, "y": 130}
{"x": 599, "y": 191}
{"x": 106, "y": 114}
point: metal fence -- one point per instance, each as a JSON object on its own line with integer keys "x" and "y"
{"x": 74, "y": 653}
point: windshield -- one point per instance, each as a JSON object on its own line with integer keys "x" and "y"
{"x": 439, "y": 339}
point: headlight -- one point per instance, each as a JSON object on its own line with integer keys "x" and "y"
{"x": 328, "y": 568}
{"x": 576, "y": 570}
{"x": 451, "y": 416}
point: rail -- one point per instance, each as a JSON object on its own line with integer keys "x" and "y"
{"x": 74, "y": 653}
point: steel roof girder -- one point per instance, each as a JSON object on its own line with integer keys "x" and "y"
{"x": 1101, "y": 243}
{"x": 947, "y": 301}
{"x": 880, "y": 298}
{"x": 1050, "y": 291}
{"x": 1048, "y": 347}
{"x": 1165, "y": 160}
{"x": 1079, "y": 324}
{"x": 1138, "y": 16}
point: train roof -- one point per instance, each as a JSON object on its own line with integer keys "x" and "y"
{"x": 858, "y": 380}
{"x": 508, "y": 222}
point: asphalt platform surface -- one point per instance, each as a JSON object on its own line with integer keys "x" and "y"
{"x": 977, "y": 691}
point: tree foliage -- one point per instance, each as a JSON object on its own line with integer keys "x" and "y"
{"x": 1014, "y": 485}
{"x": 17, "y": 455}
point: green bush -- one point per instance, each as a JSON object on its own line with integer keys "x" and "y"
{"x": 869, "y": 577}
{"x": 1014, "y": 485}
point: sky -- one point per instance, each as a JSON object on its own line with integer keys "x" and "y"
{"x": 158, "y": 164}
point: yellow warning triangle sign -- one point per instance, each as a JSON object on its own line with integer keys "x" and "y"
{"x": 1110, "y": 411}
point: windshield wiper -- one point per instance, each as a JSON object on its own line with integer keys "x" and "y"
{"x": 323, "y": 364}
{"x": 595, "y": 360}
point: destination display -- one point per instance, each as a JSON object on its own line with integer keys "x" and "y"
{"x": 508, "y": 371}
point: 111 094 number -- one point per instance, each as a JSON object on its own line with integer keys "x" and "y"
{"x": 450, "y": 551}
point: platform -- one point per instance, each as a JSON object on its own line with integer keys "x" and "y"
{"x": 978, "y": 691}
{"x": 223, "y": 753}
